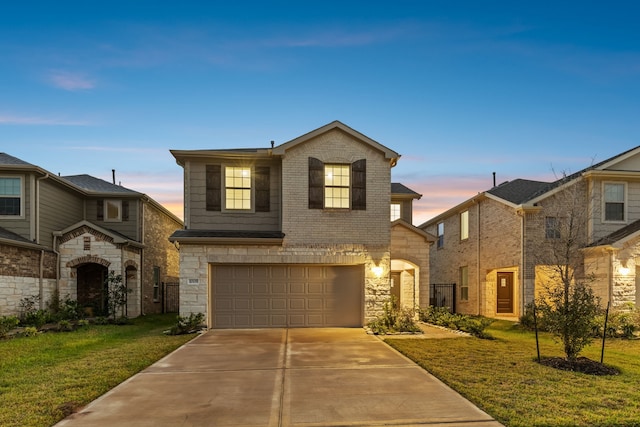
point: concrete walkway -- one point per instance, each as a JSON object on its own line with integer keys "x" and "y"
{"x": 280, "y": 378}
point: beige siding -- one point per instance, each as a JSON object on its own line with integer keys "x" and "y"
{"x": 59, "y": 208}
{"x": 21, "y": 225}
{"x": 304, "y": 226}
{"x": 632, "y": 208}
{"x": 201, "y": 219}
{"x": 130, "y": 228}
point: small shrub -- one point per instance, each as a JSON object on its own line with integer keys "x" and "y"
{"x": 82, "y": 322}
{"x": 394, "y": 319}
{"x": 186, "y": 325}
{"x": 29, "y": 331}
{"x": 7, "y": 324}
{"x": 36, "y": 318}
{"x": 65, "y": 326}
{"x": 101, "y": 320}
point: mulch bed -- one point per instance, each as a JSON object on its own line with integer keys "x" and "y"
{"x": 582, "y": 364}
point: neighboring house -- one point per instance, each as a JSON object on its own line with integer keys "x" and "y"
{"x": 296, "y": 235}
{"x": 496, "y": 245}
{"x": 67, "y": 234}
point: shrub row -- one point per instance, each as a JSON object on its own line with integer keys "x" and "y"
{"x": 441, "y": 316}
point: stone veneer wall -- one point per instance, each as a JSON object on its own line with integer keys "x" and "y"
{"x": 195, "y": 260}
{"x": 407, "y": 245}
{"x": 158, "y": 252}
{"x": 20, "y": 277}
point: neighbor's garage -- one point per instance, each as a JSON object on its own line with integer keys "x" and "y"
{"x": 296, "y": 296}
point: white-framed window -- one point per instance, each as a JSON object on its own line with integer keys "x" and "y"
{"x": 337, "y": 184}
{"x": 552, "y": 227}
{"x": 614, "y": 201}
{"x": 464, "y": 225}
{"x": 237, "y": 188}
{"x": 464, "y": 283}
{"x": 11, "y": 200}
{"x": 395, "y": 211}
{"x": 440, "y": 234}
{"x": 112, "y": 210}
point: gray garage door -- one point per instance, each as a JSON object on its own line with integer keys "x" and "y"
{"x": 272, "y": 296}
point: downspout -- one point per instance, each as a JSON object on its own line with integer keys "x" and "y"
{"x": 143, "y": 207}
{"x": 37, "y": 239}
{"x": 522, "y": 261}
{"x": 478, "y": 260}
{"x": 55, "y": 251}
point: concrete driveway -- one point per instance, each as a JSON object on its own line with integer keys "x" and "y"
{"x": 279, "y": 378}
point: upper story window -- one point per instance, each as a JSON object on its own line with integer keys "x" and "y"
{"x": 113, "y": 210}
{"x": 10, "y": 196}
{"x": 236, "y": 192}
{"x": 614, "y": 201}
{"x": 395, "y": 211}
{"x": 237, "y": 187}
{"x": 464, "y": 225}
{"x": 552, "y": 227}
{"x": 440, "y": 234}
{"x": 337, "y": 184}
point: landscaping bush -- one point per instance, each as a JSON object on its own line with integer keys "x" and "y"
{"x": 622, "y": 322}
{"x": 7, "y": 324}
{"x": 394, "y": 319}
{"x": 441, "y": 316}
{"x": 187, "y": 325}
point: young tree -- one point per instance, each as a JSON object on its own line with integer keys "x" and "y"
{"x": 568, "y": 304}
{"x": 116, "y": 295}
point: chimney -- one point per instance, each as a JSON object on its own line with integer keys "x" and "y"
{"x": 494, "y": 179}
{"x": 272, "y": 144}
{"x": 113, "y": 173}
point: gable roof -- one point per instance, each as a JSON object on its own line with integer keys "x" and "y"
{"x": 97, "y": 185}
{"x": 9, "y": 237}
{"x": 522, "y": 191}
{"x": 619, "y": 235}
{"x": 6, "y": 159}
{"x": 388, "y": 153}
{"x": 398, "y": 189}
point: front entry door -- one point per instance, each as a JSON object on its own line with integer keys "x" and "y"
{"x": 395, "y": 288}
{"x": 505, "y": 293}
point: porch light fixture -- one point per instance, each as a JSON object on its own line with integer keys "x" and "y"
{"x": 377, "y": 270}
{"x": 624, "y": 270}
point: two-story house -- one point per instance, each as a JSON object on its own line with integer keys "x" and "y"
{"x": 297, "y": 234}
{"x": 67, "y": 234}
{"x": 497, "y": 247}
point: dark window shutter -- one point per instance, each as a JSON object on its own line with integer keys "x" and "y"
{"x": 359, "y": 185}
{"x": 316, "y": 183}
{"x": 263, "y": 188}
{"x": 125, "y": 210}
{"x": 214, "y": 188}
{"x": 100, "y": 210}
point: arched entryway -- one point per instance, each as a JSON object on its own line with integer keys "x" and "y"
{"x": 92, "y": 288}
{"x": 405, "y": 283}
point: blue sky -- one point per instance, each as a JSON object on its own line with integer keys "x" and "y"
{"x": 460, "y": 89}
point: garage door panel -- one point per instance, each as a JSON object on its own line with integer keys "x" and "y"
{"x": 262, "y": 296}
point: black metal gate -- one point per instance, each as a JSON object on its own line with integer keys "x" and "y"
{"x": 171, "y": 298}
{"x": 443, "y": 295}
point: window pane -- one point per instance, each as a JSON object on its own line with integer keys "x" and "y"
{"x": 614, "y": 212}
{"x": 112, "y": 210}
{"x": 464, "y": 225}
{"x": 237, "y": 188}
{"x": 337, "y": 190}
{"x": 614, "y": 193}
{"x": 395, "y": 211}
{"x": 9, "y": 206}
{"x": 9, "y": 186}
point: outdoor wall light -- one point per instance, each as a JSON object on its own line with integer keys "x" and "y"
{"x": 624, "y": 269}
{"x": 377, "y": 270}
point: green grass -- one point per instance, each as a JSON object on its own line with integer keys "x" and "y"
{"x": 503, "y": 378}
{"x": 43, "y": 378}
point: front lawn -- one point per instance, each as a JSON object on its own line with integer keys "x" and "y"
{"x": 503, "y": 378}
{"x": 46, "y": 377}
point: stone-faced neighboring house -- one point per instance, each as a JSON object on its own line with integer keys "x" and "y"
{"x": 66, "y": 234}
{"x": 297, "y": 234}
{"x": 497, "y": 246}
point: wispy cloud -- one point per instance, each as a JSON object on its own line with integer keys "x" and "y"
{"x": 71, "y": 81}
{"x": 40, "y": 121}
